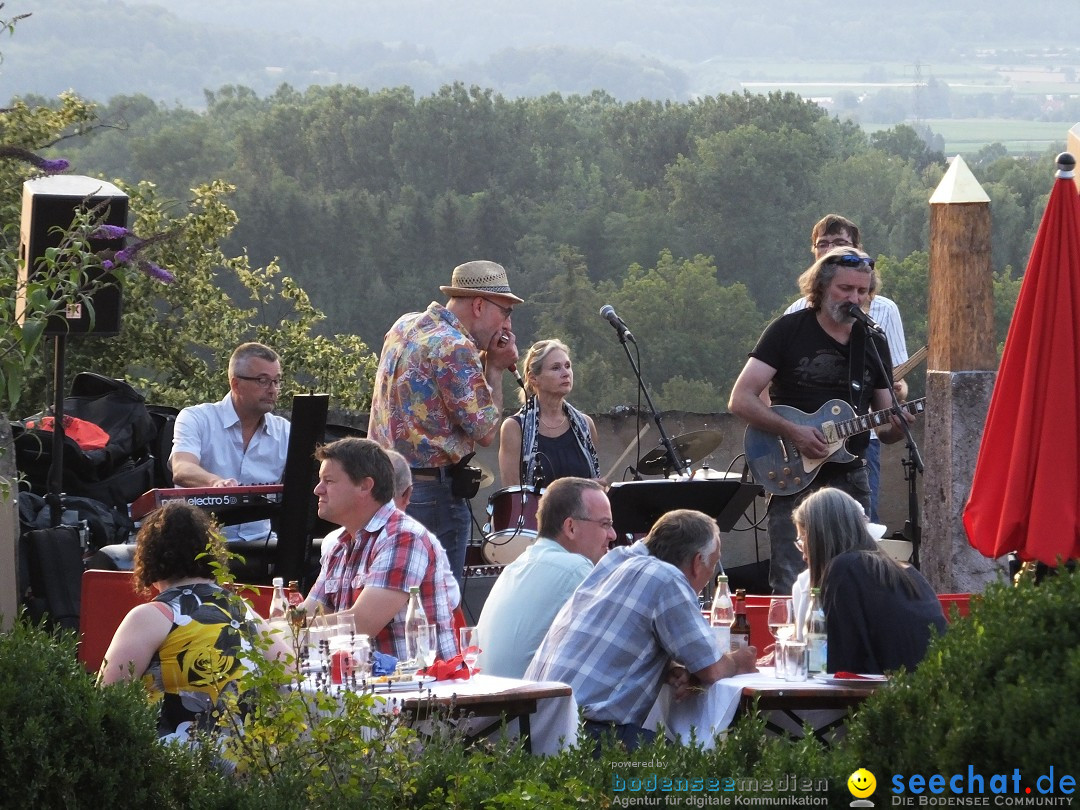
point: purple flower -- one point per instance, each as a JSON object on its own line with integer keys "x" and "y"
{"x": 125, "y": 255}
{"x": 107, "y": 264}
{"x": 156, "y": 272}
{"x": 52, "y": 166}
{"x": 109, "y": 232}
{"x": 46, "y": 165}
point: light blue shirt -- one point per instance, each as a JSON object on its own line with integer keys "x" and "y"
{"x": 523, "y": 603}
{"x": 212, "y": 433}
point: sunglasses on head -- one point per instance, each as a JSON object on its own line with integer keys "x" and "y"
{"x": 850, "y": 260}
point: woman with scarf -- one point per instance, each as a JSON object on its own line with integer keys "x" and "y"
{"x": 548, "y": 438}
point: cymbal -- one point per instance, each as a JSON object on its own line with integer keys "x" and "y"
{"x": 487, "y": 478}
{"x": 692, "y": 447}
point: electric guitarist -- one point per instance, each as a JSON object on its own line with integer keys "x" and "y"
{"x": 806, "y": 359}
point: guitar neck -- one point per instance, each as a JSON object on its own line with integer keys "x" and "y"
{"x": 861, "y": 424}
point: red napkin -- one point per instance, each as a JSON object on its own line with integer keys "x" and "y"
{"x": 854, "y": 676}
{"x": 454, "y": 669}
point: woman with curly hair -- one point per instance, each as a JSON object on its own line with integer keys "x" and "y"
{"x": 187, "y": 643}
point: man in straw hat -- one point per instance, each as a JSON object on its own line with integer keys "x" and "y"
{"x": 438, "y": 393}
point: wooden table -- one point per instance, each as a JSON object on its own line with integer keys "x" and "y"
{"x": 789, "y": 698}
{"x": 545, "y": 711}
{"x": 518, "y": 701}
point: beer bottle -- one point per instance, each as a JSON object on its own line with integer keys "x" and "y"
{"x": 740, "y": 630}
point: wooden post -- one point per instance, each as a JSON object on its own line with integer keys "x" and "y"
{"x": 961, "y": 319}
{"x": 962, "y": 365}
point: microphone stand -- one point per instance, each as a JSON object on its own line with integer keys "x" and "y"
{"x": 678, "y": 464}
{"x": 913, "y": 464}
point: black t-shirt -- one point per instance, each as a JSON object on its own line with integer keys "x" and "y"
{"x": 812, "y": 368}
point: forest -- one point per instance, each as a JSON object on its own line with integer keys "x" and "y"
{"x": 340, "y": 208}
{"x": 691, "y": 219}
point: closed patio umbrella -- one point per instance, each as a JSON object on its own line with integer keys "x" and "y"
{"x": 1025, "y": 495}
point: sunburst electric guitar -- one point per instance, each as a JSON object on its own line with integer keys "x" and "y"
{"x": 779, "y": 466}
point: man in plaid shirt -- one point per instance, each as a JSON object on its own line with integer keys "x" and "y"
{"x": 634, "y": 623}
{"x": 378, "y": 554}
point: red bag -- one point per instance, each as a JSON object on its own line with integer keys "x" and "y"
{"x": 85, "y": 434}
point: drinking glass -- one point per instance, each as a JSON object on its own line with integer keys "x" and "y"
{"x": 780, "y": 623}
{"x": 470, "y": 646}
{"x": 427, "y": 644}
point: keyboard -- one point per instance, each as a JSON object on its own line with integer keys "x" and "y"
{"x": 230, "y": 505}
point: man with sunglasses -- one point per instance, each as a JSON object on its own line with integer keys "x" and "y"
{"x": 833, "y": 231}
{"x": 238, "y": 441}
{"x": 575, "y": 530}
{"x": 804, "y": 360}
{"x": 438, "y": 393}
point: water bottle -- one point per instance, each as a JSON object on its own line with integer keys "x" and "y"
{"x": 722, "y": 614}
{"x": 816, "y": 633}
{"x": 278, "y": 603}
{"x": 414, "y": 619}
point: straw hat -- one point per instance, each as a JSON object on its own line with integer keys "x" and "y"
{"x": 480, "y": 278}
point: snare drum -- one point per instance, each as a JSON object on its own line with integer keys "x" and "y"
{"x": 511, "y": 526}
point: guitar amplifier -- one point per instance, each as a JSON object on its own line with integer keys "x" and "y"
{"x": 476, "y": 585}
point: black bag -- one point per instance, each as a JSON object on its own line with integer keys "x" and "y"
{"x": 51, "y": 564}
{"x": 115, "y": 474}
{"x": 465, "y": 480}
{"x": 107, "y": 525}
{"x": 161, "y": 447}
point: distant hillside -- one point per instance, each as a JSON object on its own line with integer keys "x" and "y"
{"x": 629, "y": 48}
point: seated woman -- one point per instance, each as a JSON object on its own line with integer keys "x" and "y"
{"x": 185, "y": 644}
{"x": 879, "y": 612}
{"x": 548, "y": 438}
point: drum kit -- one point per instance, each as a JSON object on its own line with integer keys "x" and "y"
{"x": 511, "y": 527}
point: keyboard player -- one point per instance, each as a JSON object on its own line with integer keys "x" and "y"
{"x": 238, "y": 440}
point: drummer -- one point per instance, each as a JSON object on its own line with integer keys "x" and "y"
{"x": 548, "y": 438}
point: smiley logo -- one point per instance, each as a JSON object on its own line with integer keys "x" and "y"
{"x": 861, "y": 783}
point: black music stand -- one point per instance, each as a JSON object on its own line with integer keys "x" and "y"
{"x": 636, "y": 505}
{"x": 298, "y": 512}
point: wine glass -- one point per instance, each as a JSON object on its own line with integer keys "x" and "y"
{"x": 470, "y": 646}
{"x": 427, "y": 644}
{"x": 780, "y": 621}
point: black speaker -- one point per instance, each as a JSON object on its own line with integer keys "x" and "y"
{"x": 49, "y": 206}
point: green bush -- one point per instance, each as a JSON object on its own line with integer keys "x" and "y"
{"x": 1000, "y": 691}
{"x": 64, "y": 742}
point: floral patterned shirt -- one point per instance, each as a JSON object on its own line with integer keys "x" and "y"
{"x": 431, "y": 400}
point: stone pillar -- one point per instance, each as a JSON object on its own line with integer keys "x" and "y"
{"x": 962, "y": 365}
{"x": 9, "y": 528}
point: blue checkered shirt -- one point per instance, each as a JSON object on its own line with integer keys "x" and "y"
{"x": 613, "y": 639}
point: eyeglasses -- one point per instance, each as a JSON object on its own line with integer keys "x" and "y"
{"x": 825, "y": 244}
{"x": 800, "y": 544}
{"x": 850, "y": 260}
{"x": 603, "y": 523}
{"x": 506, "y": 311}
{"x": 263, "y": 381}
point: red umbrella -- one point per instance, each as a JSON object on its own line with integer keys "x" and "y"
{"x": 1025, "y": 496}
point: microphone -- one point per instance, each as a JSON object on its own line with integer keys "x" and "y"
{"x": 608, "y": 311}
{"x": 855, "y": 311}
{"x": 517, "y": 376}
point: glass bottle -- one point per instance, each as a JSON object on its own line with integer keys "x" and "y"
{"x": 292, "y": 593}
{"x": 816, "y": 633}
{"x": 278, "y": 604}
{"x": 740, "y": 630}
{"x": 414, "y": 618}
{"x": 722, "y": 614}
